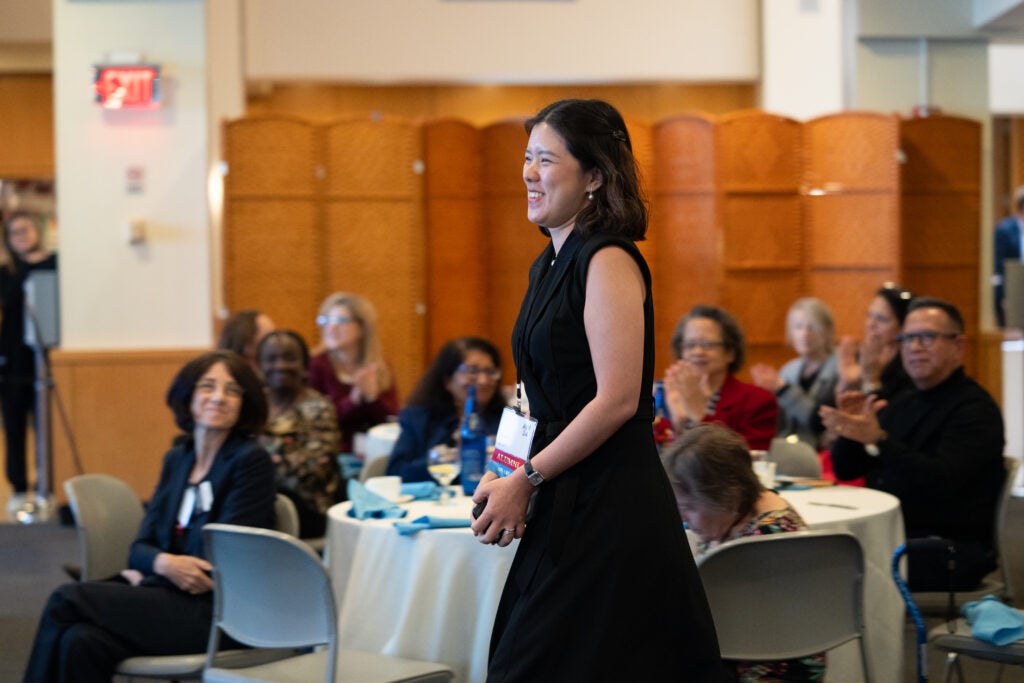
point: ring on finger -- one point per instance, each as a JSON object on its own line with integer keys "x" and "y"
{"x": 508, "y": 531}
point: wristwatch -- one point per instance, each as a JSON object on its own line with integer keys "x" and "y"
{"x": 532, "y": 475}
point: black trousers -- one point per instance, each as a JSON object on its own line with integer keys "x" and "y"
{"x": 88, "y": 628}
{"x": 931, "y": 570}
{"x": 17, "y": 402}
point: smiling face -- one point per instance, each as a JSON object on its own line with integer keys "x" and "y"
{"x": 556, "y": 185}
{"x": 805, "y": 335}
{"x": 930, "y": 365}
{"x": 477, "y": 368}
{"x": 217, "y": 399}
{"x": 704, "y": 349}
{"x": 282, "y": 366}
{"x": 881, "y": 322}
{"x": 23, "y": 235}
{"x": 341, "y": 331}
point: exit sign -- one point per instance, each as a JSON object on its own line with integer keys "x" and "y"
{"x": 127, "y": 86}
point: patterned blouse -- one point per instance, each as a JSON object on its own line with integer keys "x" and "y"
{"x": 811, "y": 668}
{"x": 303, "y": 440}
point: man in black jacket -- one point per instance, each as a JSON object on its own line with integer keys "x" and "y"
{"x": 937, "y": 446}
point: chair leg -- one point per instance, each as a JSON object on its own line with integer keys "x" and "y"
{"x": 953, "y": 663}
{"x": 999, "y": 672}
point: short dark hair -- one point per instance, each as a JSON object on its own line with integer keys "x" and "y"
{"x": 710, "y": 465}
{"x": 290, "y": 334}
{"x": 595, "y": 134}
{"x": 898, "y": 299}
{"x": 732, "y": 333}
{"x": 239, "y": 331}
{"x": 252, "y": 416}
{"x": 951, "y": 311}
{"x": 430, "y": 391}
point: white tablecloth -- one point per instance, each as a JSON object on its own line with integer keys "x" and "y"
{"x": 874, "y": 517}
{"x": 433, "y": 595}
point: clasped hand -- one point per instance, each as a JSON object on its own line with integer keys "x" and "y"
{"x": 856, "y": 417}
{"x": 687, "y": 391}
{"x": 506, "y": 502}
{"x": 190, "y": 574}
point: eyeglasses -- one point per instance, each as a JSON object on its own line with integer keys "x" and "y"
{"x": 925, "y": 339}
{"x": 702, "y": 344}
{"x": 209, "y": 386}
{"x": 323, "y": 320}
{"x": 474, "y": 371}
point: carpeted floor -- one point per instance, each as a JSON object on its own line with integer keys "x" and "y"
{"x": 31, "y": 558}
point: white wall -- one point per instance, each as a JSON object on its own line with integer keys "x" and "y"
{"x": 1006, "y": 78}
{"x": 114, "y": 295}
{"x": 807, "y": 56}
{"x": 508, "y": 42}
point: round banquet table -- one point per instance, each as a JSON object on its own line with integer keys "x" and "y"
{"x": 433, "y": 595}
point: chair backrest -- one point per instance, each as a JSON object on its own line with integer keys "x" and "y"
{"x": 107, "y": 514}
{"x": 786, "y": 595}
{"x": 794, "y": 458}
{"x": 270, "y": 591}
{"x": 286, "y": 516}
{"x": 1001, "y": 539}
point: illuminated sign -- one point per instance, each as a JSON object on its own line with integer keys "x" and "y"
{"x": 127, "y": 86}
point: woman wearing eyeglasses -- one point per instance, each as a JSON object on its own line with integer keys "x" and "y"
{"x": 351, "y": 370}
{"x": 701, "y": 387}
{"x": 435, "y": 406}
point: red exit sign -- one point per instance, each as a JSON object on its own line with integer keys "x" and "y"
{"x": 127, "y": 86}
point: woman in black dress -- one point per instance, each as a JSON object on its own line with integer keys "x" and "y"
{"x": 603, "y": 586}
{"x": 24, "y": 243}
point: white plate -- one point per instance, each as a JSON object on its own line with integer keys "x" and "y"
{"x": 404, "y": 498}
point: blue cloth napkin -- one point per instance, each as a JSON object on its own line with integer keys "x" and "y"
{"x": 367, "y": 504}
{"x": 422, "y": 490}
{"x": 431, "y": 522}
{"x": 993, "y": 621}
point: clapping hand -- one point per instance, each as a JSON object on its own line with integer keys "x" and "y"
{"x": 687, "y": 391}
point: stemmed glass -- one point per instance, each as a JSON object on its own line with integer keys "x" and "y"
{"x": 444, "y": 465}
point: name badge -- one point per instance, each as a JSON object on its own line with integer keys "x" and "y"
{"x": 512, "y": 443}
{"x": 205, "y": 496}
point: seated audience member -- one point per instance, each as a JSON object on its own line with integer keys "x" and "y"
{"x": 873, "y": 365}
{"x": 807, "y": 382}
{"x": 937, "y": 446}
{"x": 302, "y": 432}
{"x": 434, "y": 412}
{"x": 701, "y": 385}
{"x": 351, "y": 370}
{"x": 243, "y": 332}
{"x": 721, "y": 499}
{"x": 162, "y": 604}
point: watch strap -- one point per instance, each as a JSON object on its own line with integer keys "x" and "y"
{"x": 532, "y": 475}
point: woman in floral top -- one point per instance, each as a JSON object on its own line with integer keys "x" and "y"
{"x": 302, "y": 431}
{"x": 720, "y": 499}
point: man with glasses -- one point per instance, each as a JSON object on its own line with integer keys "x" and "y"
{"x": 937, "y": 446}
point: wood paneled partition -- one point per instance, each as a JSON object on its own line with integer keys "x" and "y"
{"x": 749, "y": 211}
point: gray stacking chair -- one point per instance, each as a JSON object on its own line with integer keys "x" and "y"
{"x": 955, "y": 639}
{"x": 807, "y": 587}
{"x": 794, "y": 458}
{"x": 273, "y": 591}
{"x": 998, "y": 583}
{"x": 107, "y": 515}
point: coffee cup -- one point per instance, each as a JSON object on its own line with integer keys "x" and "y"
{"x": 385, "y": 487}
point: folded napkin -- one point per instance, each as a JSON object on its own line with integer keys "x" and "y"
{"x": 431, "y": 522}
{"x": 993, "y": 621}
{"x": 422, "y": 490}
{"x": 367, "y": 504}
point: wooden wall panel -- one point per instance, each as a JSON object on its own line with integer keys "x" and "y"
{"x": 273, "y": 260}
{"x": 758, "y": 152}
{"x": 458, "y": 288}
{"x": 26, "y": 136}
{"x": 761, "y": 231}
{"x": 270, "y": 156}
{"x": 941, "y": 211}
{"x": 127, "y": 432}
{"x": 682, "y": 192}
{"x": 851, "y": 212}
{"x": 513, "y": 241}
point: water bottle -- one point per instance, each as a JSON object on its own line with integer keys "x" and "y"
{"x": 473, "y": 446}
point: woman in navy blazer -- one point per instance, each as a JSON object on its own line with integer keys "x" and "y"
{"x": 162, "y": 604}
{"x": 436, "y": 404}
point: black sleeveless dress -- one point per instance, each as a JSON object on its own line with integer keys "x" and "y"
{"x": 603, "y": 586}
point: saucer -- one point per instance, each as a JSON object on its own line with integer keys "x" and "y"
{"x": 404, "y": 498}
